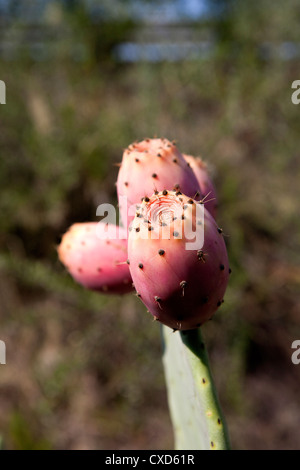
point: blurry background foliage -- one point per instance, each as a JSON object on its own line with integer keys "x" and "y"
{"x": 84, "y": 79}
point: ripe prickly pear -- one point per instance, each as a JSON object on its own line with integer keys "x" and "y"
{"x": 181, "y": 287}
{"x": 153, "y": 164}
{"x": 94, "y": 261}
{"x": 207, "y": 187}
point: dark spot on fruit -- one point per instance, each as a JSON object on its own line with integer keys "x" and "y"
{"x": 222, "y": 267}
{"x": 126, "y": 183}
{"x": 201, "y": 256}
{"x": 174, "y": 160}
{"x": 183, "y": 216}
{"x": 178, "y": 193}
{"x": 137, "y": 160}
{"x": 127, "y": 261}
{"x": 141, "y": 265}
{"x": 146, "y": 199}
{"x": 199, "y": 222}
{"x": 137, "y": 229}
{"x": 150, "y": 228}
{"x": 154, "y": 175}
{"x": 183, "y": 284}
{"x": 175, "y": 234}
{"x": 157, "y": 299}
{"x": 219, "y": 303}
{"x": 203, "y": 381}
{"x": 229, "y": 270}
{"x": 159, "y": 154}
{"x": 220, "y": 230}
{"x": 190, "y": 201}
{"x": 188, "y": 165}
{"x": 165, "y": 192}
{"x": 185, "y": 206}
{"x": 205, "y": 300}
{"x": 212, "y": 444}
{"x": 176, "y": 187}
{"x": 156, "y": 192}
{"x": 161, "y": 252}
{"x": 99, "y": 270}
{"x": 219, "y": 421}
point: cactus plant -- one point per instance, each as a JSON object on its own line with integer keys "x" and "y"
{"x": 180, "y": 277}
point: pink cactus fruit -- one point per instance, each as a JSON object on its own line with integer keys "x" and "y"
{"x": 153, "y": 164}
{"x": 181, "y": 287}
{"x": 207, "y": 187}
{"x": 95, "y": 255}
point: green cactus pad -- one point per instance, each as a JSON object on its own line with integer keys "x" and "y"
{"x": 195, "y": 411}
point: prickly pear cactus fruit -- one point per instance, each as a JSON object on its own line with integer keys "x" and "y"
{"x": 95, "y": 255}
{"x": 182, "y": 283}
{"x": 153, "y": 164}
{"x": 207, "y": 187}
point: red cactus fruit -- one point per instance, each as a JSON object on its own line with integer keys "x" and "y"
{"x": 207, "y": 187}
{"x": 149, "y": 166}
{"x": 180, "y": 286}
{"x": 95, "y": 255}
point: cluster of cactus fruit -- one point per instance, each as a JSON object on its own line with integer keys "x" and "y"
{"x": 171, "y": 252}
{"x": 159, "y": 191}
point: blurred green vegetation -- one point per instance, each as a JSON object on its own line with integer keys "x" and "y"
{"x": 84, "y": 370}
